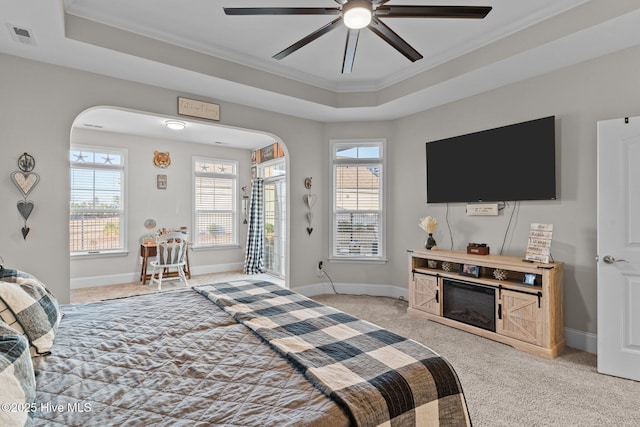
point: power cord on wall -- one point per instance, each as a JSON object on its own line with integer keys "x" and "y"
{"x": 516, "y": 206}
{"x": 324, "y": 273}
{"x": 446, "y": 216}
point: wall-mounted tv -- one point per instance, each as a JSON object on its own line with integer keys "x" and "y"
{"x": 515, "y": 162}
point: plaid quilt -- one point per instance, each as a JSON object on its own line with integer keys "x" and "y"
{"x": 380, "y": 378}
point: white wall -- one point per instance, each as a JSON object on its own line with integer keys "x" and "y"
{"x": 41, "y": 102}
{"x": 170, "y": 208}
{"x": 578, "y": 96}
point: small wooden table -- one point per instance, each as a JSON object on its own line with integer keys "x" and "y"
{"x": 148, "y": 251}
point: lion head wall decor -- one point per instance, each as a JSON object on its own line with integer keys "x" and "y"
{"x": 161, "y": 160}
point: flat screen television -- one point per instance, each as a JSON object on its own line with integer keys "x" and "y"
{"x": 515, "y": 162}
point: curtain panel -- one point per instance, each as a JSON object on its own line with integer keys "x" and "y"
{"x": 254, "y": 255}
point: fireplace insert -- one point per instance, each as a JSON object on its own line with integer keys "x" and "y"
{"x": 468, "y": 303}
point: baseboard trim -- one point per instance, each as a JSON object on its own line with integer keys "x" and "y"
{"x": 111, "y": 279}
{"x": 584, "y": 341}
{"x": 391, "y": 291}
{"x": 217, "y": 268}
{"x": 580, "y": 340}
{"x": 116, "y": 279}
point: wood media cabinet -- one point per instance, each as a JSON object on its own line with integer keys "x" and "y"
{"x": 461, "y": 290}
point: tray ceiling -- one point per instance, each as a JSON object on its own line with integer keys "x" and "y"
{"x": 194, "y": 48}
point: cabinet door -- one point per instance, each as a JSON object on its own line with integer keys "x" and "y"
{"x": 521, "y": 317}
{"x": 425, "y": 293}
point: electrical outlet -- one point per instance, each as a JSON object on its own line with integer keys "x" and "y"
{"x": 320, "y": 265}
{"x": 319, "y": 272}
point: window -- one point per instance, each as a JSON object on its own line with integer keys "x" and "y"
{"x": 358, "y": 217}
{"x": 97, "y": 203}
{"x": 215, "y": 201}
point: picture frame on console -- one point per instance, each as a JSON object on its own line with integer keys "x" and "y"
{"x": 529, "y": 279}
{"x": 469, "y": 270}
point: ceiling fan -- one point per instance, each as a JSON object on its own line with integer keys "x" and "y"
{"x": 359, "y": 14}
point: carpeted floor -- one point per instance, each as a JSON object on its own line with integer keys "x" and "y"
{"x": 503, "y": 386}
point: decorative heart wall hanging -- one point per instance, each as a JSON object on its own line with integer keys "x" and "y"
{"x": 309, "y": 200}
{"x": 25, "y": 207}
{"x": 25, "y": 182}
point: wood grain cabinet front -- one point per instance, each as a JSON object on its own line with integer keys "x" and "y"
{"x": 425, "y": 293}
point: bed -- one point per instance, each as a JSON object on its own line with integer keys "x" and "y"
{"x": 243, "y": 353}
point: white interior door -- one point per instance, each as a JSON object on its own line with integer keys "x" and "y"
{"x": 619, "y": 247}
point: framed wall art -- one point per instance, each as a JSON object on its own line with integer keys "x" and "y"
{"x": 161, "y": 182}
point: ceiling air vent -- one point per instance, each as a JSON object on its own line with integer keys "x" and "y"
{"x": 21, "y": 34}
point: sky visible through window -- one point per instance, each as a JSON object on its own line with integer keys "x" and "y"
{"x": 358, "y": 152}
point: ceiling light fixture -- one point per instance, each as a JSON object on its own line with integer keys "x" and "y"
{"x": 357, "y": 14}
{"x": 175, "y": 124}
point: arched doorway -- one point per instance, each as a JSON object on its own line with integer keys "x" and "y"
{"x": 140, "y": 134}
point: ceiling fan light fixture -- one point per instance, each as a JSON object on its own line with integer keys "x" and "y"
{"x": 356, "y": 14}
{"x": 175, "y": 124}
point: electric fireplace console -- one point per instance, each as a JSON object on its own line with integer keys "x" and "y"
{"x": 501, "y": 298}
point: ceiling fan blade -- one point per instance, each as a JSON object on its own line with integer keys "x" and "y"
{"x": 387, "y": 34}
{"x": 350, "y": 51}
{"x": 281, "y": 11}
{"x": 471, "y": 12}
{"x": 308, "y": 39}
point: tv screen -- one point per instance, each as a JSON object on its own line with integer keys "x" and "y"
{"x": 515, "y": 162}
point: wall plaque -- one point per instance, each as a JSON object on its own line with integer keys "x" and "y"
{"x": 200, "y": 109}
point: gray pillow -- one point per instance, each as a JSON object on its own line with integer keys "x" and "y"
{"x": 27, "y": 306}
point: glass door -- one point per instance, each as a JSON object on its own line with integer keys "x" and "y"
{"x": 275, "y": 217}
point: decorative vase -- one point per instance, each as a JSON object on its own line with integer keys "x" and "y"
{"x": 429, "y": 242}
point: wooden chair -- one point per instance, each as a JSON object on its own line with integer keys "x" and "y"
{"x": 171, "y": 249}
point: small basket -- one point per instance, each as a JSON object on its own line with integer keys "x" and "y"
{"x": 432, "y": 263}
{"x": 447, "y": 266}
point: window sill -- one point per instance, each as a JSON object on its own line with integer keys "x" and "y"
{"x": 358, "y": 260}
{"x": 216, "y": 247}
{"x": 98, "y": 254}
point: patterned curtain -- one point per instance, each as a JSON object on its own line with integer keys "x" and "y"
{"x": 254, "y": 256}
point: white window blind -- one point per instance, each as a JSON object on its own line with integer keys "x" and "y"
{"x": 215, "y": 219}
{"x": 96, "y": 208}
{"x": 358, "y": 200}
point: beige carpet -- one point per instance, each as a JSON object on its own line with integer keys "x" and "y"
{"x": 503, "y": 386}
